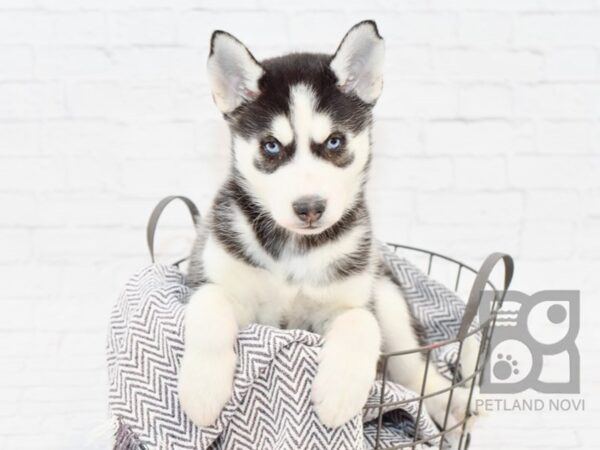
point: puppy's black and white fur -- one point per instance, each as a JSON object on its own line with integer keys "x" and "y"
{"x": 288, "y": 241}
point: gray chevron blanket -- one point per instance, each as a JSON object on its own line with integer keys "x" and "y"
{"x": 270, "y": 407}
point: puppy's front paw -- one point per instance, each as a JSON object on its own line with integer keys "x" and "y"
{"x": 340, "y": 390}
{"x": 205, "y": 383}
{"x": 437, "y": 404}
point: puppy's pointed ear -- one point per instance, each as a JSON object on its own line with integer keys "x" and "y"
{"x": 233, "y": 72}
{"x": 358, "y": 62}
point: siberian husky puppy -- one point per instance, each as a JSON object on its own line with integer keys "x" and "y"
{"x": 288, "y": 241}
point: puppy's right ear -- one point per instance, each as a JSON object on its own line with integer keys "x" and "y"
{"x": 233, "y": 72}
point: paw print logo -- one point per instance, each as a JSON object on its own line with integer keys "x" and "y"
{"x": 511, "y": 362}
{"x": 533, "y": 339}
{"x": 505, "y": 367}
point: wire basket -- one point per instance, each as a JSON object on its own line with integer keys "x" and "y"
{"x": 485, "y": 327}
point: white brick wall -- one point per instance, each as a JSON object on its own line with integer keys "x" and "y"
{"x": 487, "y": 138}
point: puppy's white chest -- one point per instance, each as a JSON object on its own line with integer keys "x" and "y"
{"x": 292, "y": 291}
{"x": 277, "y": 299}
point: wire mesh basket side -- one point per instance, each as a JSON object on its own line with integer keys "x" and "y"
{"x": 459, "y": 381}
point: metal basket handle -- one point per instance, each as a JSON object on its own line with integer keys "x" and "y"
{"x": 156, "y": 213}
{"x": 481, "y": 280}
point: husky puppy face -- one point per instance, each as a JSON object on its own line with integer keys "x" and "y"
{"x": 300, "y": 124}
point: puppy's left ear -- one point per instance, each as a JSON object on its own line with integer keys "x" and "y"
{"x": 358, "y": 62}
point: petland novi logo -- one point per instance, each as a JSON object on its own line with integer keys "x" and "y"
{"x": 533, "y": 345}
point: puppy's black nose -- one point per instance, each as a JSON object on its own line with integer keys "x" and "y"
{"x": 309, "y": 209}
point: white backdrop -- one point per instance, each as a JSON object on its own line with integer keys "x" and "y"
{"x": 486, "y": 139}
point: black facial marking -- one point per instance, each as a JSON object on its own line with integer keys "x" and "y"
{"x": 254, "y": 118}
{"x": 340, "y": 157}
{"x": 268, "y": 163}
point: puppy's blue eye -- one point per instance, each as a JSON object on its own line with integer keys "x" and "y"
{"x": 272, "y": 147}
{"x": 334, "y": 143}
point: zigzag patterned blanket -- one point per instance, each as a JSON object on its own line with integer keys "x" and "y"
{"x": 270, "y": 407}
